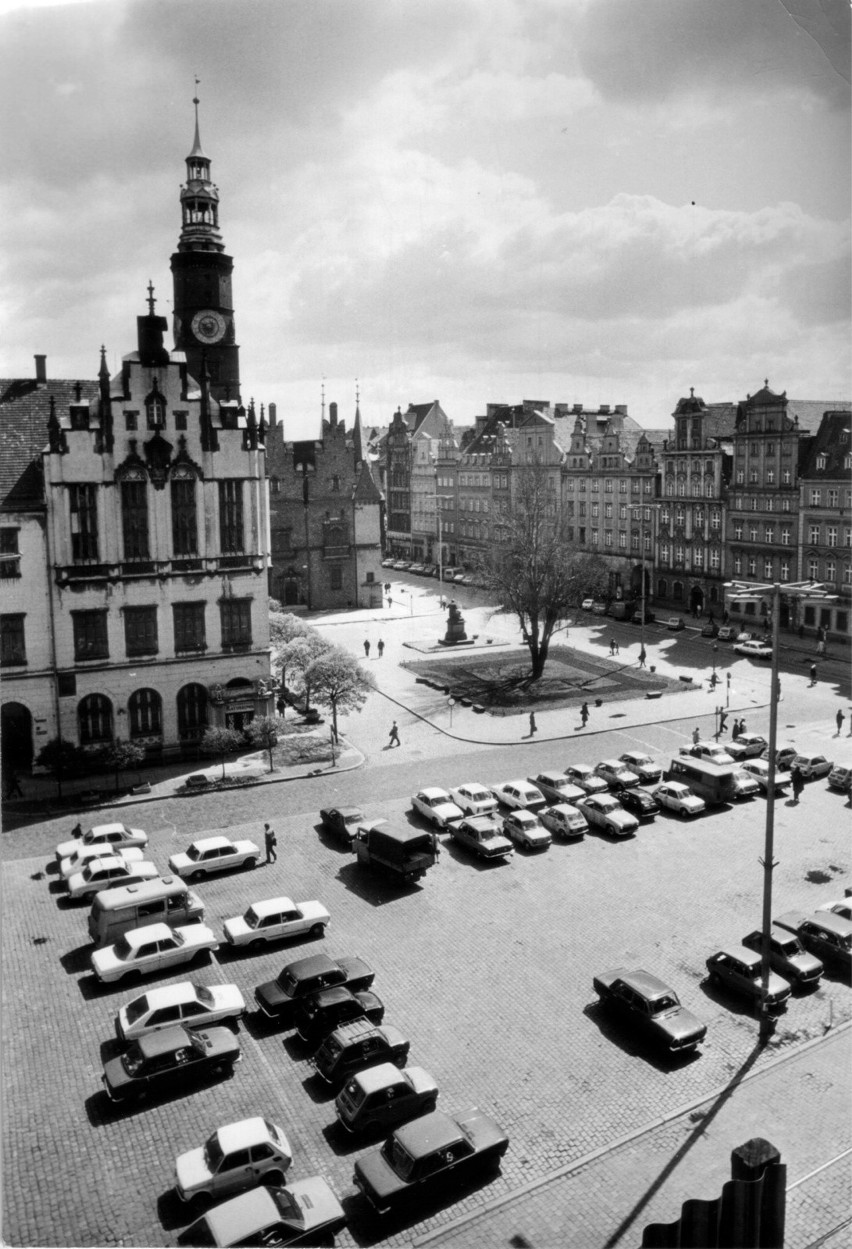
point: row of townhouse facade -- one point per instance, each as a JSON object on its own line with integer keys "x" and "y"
{"x": 756, "y": 491}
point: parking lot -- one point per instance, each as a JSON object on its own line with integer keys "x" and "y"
{"x": 487, "y": 968}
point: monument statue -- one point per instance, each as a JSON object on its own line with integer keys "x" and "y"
{"x": 455, "y": 628}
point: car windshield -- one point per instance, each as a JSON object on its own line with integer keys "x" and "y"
{"x": 123, "y": 948}
{"x": 133, "y": 1060}
{"x": 664, "y": 1003}
{"x": 138, "y": 1008}
{"x": 398, "y": 1157}
{"x": 213, "y": 1154}
{"x": 193, "y": 852}
{"x": 607, "y": 804}
{"x": 251, "y": 918}
{"x": 787, "y": 945}
{"x": 288, "y": 1205}
{"x": 203, "y": 994}
{"x": 845, "y": 940}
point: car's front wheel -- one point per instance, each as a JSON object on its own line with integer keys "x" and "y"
{"x": 317, "y": 930}
{"x": 272, "y": 1179}
{"x": 249, "y": 864}
{"x": 196, "y": 875}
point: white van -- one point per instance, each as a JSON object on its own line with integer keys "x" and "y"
{"x": 164, "y": 901}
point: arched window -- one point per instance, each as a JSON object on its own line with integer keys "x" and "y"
{"x": 146, "y": 713}
{"x": 677, "y": 590}
{"x": 662, "y": 588}
{"x": 192, "y": 711}
{"x": 184, "y": 518}
{"x": 94, "y": 719}
{"x": 134, "y": 516}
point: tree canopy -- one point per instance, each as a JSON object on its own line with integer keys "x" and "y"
{"x": 538, "y": 571}
{"x": 338, "y": 682}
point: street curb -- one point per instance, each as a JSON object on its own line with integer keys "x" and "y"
{"x": 533, "y": 1185}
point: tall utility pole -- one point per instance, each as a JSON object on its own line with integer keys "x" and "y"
{"x": 767, "y": 1023}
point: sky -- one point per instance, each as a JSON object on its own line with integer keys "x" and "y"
{"x": 476, "y": 201}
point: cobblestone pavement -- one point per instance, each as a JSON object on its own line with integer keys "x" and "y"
{"x": 487, "y": 969}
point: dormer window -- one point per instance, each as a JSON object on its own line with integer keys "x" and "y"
{"x": 821, "y": 462}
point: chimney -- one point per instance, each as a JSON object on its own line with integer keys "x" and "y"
{"x": 273, "y": 415}
{"x": 621, "y": 409}
{"x": 332, "y": 414}
{"x": 604, "y": 408}
{"x": 41, "y": 369}
{"x": 578, "y": 407}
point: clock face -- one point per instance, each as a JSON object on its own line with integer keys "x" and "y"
{"x": 208, "y": 326}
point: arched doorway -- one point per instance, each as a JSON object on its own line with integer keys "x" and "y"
{"x": 94, "y": 720}
{"x": 192, "y": 712}
{"x": 696, "y": 600}
{"x": 240, "y": 711}
{"x": 16, "y": 735}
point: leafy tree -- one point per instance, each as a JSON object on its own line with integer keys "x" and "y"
{"x": 120, "y": 756}
{"x": 219, "y": 742}
{"x": 297, "y": 657}
{"x": 338, "y": 682}
{"x": 62, "y": 758}
{"x": 264, "y": 731}
{"x": 538, "y": 571}
{"x": 284, "y": 627}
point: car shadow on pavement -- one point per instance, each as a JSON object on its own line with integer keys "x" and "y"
{"x": 368, "y": 1228}
{"x": 618, "y": 1032}
{"x": 174, "y": 1213}
{"x": 76, "y": 960}
{"x": 471, "y": 858}
{"x": 376, "y": 887}
{"x": 728, "y": 999}
{"x": 317, "y": 1089}
{"x": 331, "y": 840}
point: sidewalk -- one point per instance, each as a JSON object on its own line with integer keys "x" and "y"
{"x": 606, "y": 1199}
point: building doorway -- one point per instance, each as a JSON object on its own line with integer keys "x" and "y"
{"x": 696, "y": 600}
{"x": 16, "y": 735}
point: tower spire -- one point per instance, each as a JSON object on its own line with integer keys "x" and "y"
{"x": 197, "y": 149}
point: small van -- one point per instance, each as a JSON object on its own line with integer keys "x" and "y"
{"x": 715, "y": 783}
{"x": 164, "y": 901}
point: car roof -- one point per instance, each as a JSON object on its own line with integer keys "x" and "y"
{"x": 483, "y": 821}
{"x": 826, "y": 919}
{"x": 271, "y": 906}
{"x": 379, "y": 1077}
{"x": 164, "y": 1041}
{"x": 150, "y": 932}
{"x": 106, "y": 860}
{"x": 611, "y": 763}
{"x": 433, "y": 1131}
{"x": 208, "y": 843}
{"x": 243, "y": 1134}
{"x": 636, "y": 754}
{"x": 646, "y": 983}
{"x": 473, "y": 785}
{"x": 521, "y": 782}
{"x": 168, "y": 994}
{"x": 435, "y": 792}
{"x": 314, "y": 965}
{"x": 741, "y": 952}
{"x": 552, "y": 776}
{"x": 101, "y": 830}
{"x": 239, "y": 1219}
{"x": 328, "y": 997}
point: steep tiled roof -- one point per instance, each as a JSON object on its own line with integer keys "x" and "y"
{"x": 24, "y": 411}
{"x": 811, "y": 411}
{"x": 832, "y": 440}
{"x": 719, "y": 420}
{"x": 366, "y": 490}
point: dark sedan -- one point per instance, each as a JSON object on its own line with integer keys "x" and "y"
{"x": 169, "y": 1058}
{"x": 342, "y": 822}
{"x": 321, "y": 1013}
{"x": 278, "y": 998}
{"x": 639, "y": 803}
{"x": 651, "y": 1007}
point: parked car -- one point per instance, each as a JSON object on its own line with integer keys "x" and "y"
{"x": 76, "y": 862}
{"x": 643, "y": 765}
{"x": 556, "y": 787}
{"x": 276, "y": 919}
{"x": 436, "y": 806}
{"x": 214, "y": 854}
{"x": 710, "y": 629}
{"x": 342, "y": 822}
{"x": 460, "y": 577}
{"x": 787, "y": 956}
{"x": 599, "y": 607}
{"x": 354, "y": 1046}
{"x": 606, "y": 812}
{"x": 840, "y": 777}
{"x": 753, "y": 649}
{"x": 616, "y": 774}
{"x": 583, "y": 776}
{"x": 483, "y": 834}
{"x": 565, "y": 820}
{"x": 746, "y": 746}
{"x": 107, "y": 873}
{"x": 650, "y": 1007}
{"x": 235, "y": 1157}
{"x": 169, "y": 1058}
{"x": 320, "y": 1013}
{"x": 843, "y": 908}
{"x": 745, "y": 785}
{"x": 639, "y": 802}
{"x": 812, "y": 766}
{"x": 106, "y": 835}
{"x": 154, "y": 948}
{"x": 387, "y": 563}
{"x": 636, "y": 618}
{"x": 739, "y": 969}
{"x": 278, "y": 998}
{"x": 526, "y": 830}
{"x": 727, "y": 633}
{"x": 823, "y": 933}
{"x": 432, "y": 1152}
{"x": 192, "y": 1005}
{"x": 419, "y": 569}
{"x": 587, "y": 604}
{"x": 473, "y": 799}
{"x": 759, "y": 770}
{"x": 402, "y": 565}
{"x": 519, "y": 794}
{"x": 303, "y": 1212}
{"x": 784, "y": 756}
{"x": 468, "y": 579}
{"x": 383, "y": 1096}
{"x": 744, "y": 635}
{"x": 675, "y": 623}
{"x": 711, "y": 751}
{"x": 676, "y": 796}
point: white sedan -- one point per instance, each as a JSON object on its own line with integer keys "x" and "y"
{"x": 526, "y": 829}
{"x": 85, "y": 854}
{"x": 753, "y": 650}
{"x": 436, "y": 806}
{"x": 156, "y": 947}
{"x": 606, "y": 812}
{"x": 214, "y": 854}
{"x": 843, "y": 908}
{"x": 107, "y": 873}
{"x": 520, "y": 795}
{"x": 473, "y": 799}
{"x": 758, "y": 769}
{"x": 193, "y": 1005}
{"x": 274, "y": 920}
{"x": 106, "y": 835}
{"x": 583, "y": 774}
{"x": 679, "y": 797}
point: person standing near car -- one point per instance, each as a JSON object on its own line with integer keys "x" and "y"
{"x": 696, "y": 736}
{"x": 838, "y": 719}
{"x": 798, "y": 782}
{"x": 584, "y": 714}
{"x": 271, "y": 842}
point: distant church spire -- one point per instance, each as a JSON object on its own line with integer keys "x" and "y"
{"x": 357, "y": 434}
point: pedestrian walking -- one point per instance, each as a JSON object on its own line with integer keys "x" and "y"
{"x": 723, "y": 721}
{"x": 381, "y": 648}
{"x": 584, "y": 714}
{"x": 367, "y": 647}
{"x": 696, "y": 736}
{"x": 735, "y": 729}
{"x": 13, "y": 789}
{"x": 387, "y": 587}
{"x": 394, "y": 735}
{"x": 821, "y": 648}
{"x": 813, "y": 674}
{"x": 534, "y": 727}
{"x": 798, "y": 783}
{"x": 390, "y": 601}
{"x": 742, "y": 727}
{"x": 617, "y": 647}
{"x": 642, "y": 657}
{"x": 839, "y": 718}
{"x": 612, "y": 646}
{"x": 270, "y": 841}
{"x": 77, "y": 830}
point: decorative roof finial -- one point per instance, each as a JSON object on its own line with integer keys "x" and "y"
{"x": 322, "y": 404}
{"x": 766, "y": 382}
{"x": 692, "y": 392}
{"x": 197, "y": 149}
{"x": 151, "y": 299}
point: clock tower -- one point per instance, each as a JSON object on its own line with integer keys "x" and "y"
{"x": 201, "y": 273}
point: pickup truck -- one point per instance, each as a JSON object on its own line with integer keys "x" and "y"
{"x": 407, "y": 852}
